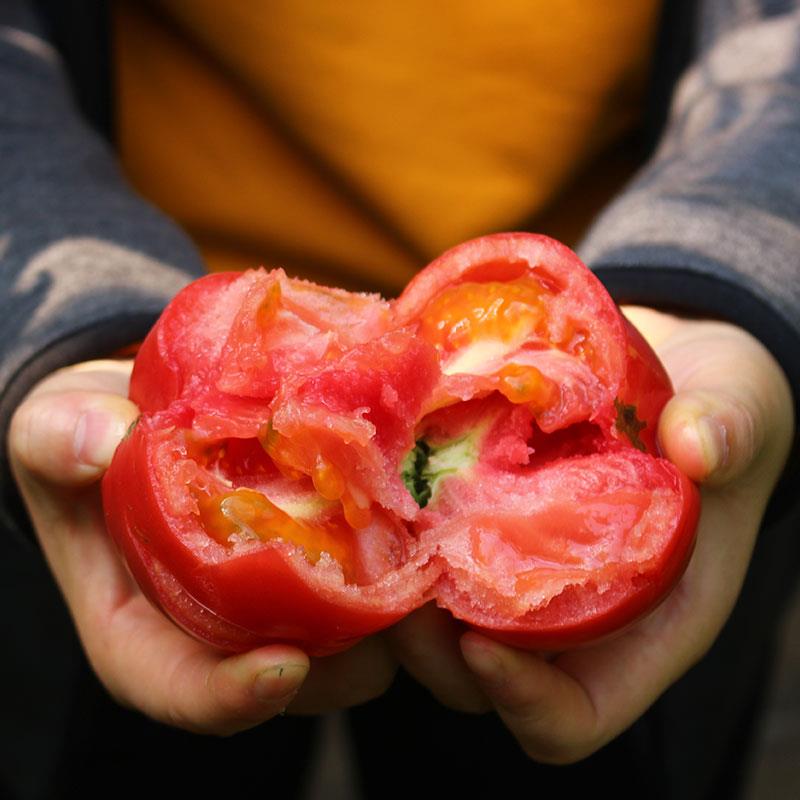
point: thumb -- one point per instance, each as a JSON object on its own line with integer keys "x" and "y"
{"x": 711, "y": 437}
{"x": 732, "y": 403}
{"x": 67, "y": 436}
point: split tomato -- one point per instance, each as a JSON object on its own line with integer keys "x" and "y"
{"x": 311, "y": 464}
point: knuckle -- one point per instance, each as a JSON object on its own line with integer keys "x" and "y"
{"x": 119, "y": 696}
{"x": 231, "y": 709}
{"x": 379, "y": 682}
{"x": 177, "y": 709}
{"x": 559, "y": 744}
{"x": 115, "y": 690}
{"x": 217, "y": 724}
{"x": 177, "y": 716}
{"x": 560, "y": 754}
{"x": 111, "y": 682}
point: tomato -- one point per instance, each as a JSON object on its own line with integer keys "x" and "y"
{"x": 311, "y": 465}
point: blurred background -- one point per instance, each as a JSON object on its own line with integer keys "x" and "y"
{"x": 776, "y": 768}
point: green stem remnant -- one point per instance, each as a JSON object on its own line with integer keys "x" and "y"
{"x": 426, "y": 465}
{"x": 629, "y": 423}
{"x": 413, "y": 470}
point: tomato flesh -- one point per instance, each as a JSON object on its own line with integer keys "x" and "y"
{"x": 506, "y": 315}
{"x": 318, "y": 464}
{"x": 247, "y": 514}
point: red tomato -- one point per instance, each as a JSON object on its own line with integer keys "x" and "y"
{"x": 311, "y": 465}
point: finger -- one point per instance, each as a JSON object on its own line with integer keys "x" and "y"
{"x": 562, "y": 711}
{"x": 427, "y": 644}
{"x": 140, "y": 656}
{"x": 730, "y": 406}
{"x": 711, "y": 437}
{"x": 69, "y": 437}
{"x": 546, "y": 709}
{"x": 347, "y": 679}
{"x": 101, "y": 375}
{"x": 147, "y": 663}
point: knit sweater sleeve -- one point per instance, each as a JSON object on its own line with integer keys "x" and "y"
{"x": 711, "y": 225}
{"x": 85, "y": 265}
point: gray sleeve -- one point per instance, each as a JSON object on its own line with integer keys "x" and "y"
{"x": 85, "y": 265}
{"x": 711, "y": 225}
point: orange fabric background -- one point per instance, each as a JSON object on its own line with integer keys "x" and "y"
{"x": 352, "y": 142}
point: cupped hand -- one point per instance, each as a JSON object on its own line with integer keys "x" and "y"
{"x": 729, "y": 427}
{"x": 61, "y": 440}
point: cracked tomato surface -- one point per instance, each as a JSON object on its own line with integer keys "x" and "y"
{"x": 312, "y": 464}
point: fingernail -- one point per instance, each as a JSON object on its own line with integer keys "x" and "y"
{"x": 97, "y": 434}
{"x": 483, "y": 661}
{"x": 713, "y": 439}
{"x": 279, "y": 684}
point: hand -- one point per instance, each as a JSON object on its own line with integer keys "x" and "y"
{"x": 61, "y": 440}
{"x": 728, "y": 427}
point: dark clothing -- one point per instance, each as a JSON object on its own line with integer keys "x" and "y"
{"x": 711, "y": 225}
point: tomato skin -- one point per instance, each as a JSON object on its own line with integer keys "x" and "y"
{"x": 646, "y": 387}
{"x": 502, "y": 256}
{"x": 165, "y": 364}
{"x": 235, "y": 604}
{"x": 231, "y": 356}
